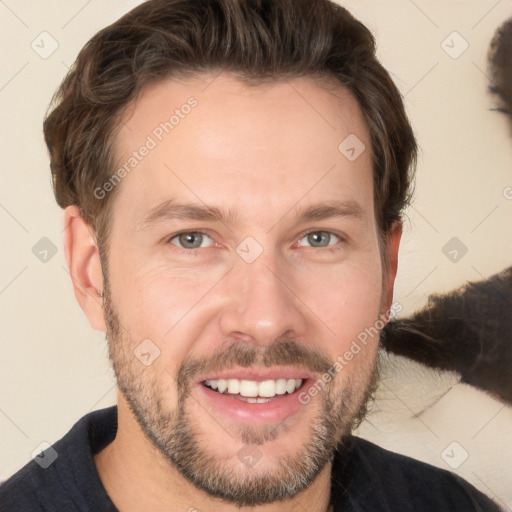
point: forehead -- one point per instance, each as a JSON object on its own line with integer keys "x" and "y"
{"x": 215, "y": 140}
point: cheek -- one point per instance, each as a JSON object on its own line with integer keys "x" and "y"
{"x": 169, "y": 306}
{"x": 346, "y": 299}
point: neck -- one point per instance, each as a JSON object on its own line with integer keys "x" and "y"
{"x": 131, "y": 463}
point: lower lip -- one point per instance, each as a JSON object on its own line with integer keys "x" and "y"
{"x": 277, "y": 409}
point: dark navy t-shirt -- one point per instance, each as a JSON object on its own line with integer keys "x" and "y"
{"x": 365, "y": 478}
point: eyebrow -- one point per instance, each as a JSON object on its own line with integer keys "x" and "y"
{"x": 172, "y": 209}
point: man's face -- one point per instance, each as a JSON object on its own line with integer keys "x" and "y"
{"x": 261, "y": 296}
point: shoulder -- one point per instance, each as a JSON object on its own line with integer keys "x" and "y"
{"x": 20, "y": 491}
{"x": 63, "y": 476}
{"x": 372, "y": 478}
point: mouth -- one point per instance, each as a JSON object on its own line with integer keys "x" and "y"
{"x": 255, "y": 397}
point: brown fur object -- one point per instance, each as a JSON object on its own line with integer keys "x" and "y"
{"x": 468, "y": 330}
{"x": 500, "y": 68}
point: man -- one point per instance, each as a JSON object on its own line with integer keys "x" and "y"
{"x": 233, "y": 175}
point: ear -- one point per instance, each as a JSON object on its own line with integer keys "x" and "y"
{"x": 392, "y": 245}
{"x": 83, "y": 259}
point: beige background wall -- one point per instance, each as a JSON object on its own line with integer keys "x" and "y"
{"x": 54, "y": 368}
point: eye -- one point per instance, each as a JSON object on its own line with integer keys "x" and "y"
{"x": 319, "y": 239}
{"x": 191, "y": 240}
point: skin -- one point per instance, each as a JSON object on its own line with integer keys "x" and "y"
{"x": 265, "y": 152}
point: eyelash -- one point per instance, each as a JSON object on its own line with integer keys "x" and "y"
{"x": 334, "y": 248}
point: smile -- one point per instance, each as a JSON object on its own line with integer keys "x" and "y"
{"x": 255, "y": 396}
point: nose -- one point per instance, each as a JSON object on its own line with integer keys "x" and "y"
{"x": 260, "y": 304}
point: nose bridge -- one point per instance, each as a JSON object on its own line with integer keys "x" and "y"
{"x": 261, "y": 304}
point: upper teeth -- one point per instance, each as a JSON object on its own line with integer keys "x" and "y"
{"x": 252, "y": 388}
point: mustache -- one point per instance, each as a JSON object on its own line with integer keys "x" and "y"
{"x": 236, "y": 353}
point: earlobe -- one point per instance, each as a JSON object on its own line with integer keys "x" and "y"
{"x": 84, "y": 264}
{"x": 392, "y": 246}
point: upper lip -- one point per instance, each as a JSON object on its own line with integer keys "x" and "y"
{"x": 260, "y": 374}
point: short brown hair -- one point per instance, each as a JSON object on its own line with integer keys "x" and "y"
{"x": 257, "y": 40}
